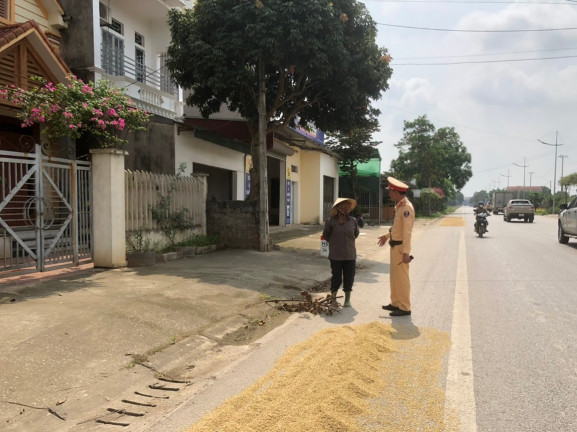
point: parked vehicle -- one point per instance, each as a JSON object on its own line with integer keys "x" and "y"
{"x": 481, "y": 222}
{"x": 500, "y": 200}
{"x": 567, "y": 222}
{"x": 519, "y": 209}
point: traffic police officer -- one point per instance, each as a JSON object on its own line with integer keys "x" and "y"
{"x": 399, "y": 238}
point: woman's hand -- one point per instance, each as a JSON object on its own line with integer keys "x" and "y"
{"x": 383, "y": 240}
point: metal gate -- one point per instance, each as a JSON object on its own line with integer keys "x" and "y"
{"x": 45, "y": 218}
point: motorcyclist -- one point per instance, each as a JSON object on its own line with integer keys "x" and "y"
{"x": 480, "y": 209}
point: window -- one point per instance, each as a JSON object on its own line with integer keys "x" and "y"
{"x": 5, "y": 8}
{"x": 166, "y": 84}
{"x": 104, "y": 13}
{"x": 117, "y": 26}
{"x": 140, "y": 67}
{"x": 138, "y": 39}
{"x": 294, "y": 168}
{"x": 112, "y": 53}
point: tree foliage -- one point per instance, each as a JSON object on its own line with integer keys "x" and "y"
{"x": 480, "y": 196}
{"x": 434, "y": 158}
{"x": 321, "y": 61}
{"x": 355, "y": 147}
{"x": 569, "y": 180}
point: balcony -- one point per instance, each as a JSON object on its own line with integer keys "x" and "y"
{"x": 151, "y": 89}
{"x": 177, "y": 3}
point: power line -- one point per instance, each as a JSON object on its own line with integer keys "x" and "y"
{"x": 475, "y": 31}
{"x": 484, "y": 61}
{"x": 568, "y": 3}
{"x": 483, "y": 55}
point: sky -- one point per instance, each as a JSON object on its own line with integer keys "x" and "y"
{"x": 502, "y": 73}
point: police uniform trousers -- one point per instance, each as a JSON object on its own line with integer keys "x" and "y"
{"x": 400, "y": 281}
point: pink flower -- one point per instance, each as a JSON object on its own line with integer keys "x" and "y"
{"x": 112, "y": 112}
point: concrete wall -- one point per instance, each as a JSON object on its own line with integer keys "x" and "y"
{"x": 314, "y": 166}
{"x": 234, "y": 222}
{"x": 190, "y": 149}
{"x": 153, "y": 150}
{"x": 78, "y": 40}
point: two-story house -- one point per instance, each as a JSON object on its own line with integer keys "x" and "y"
{"x": 125, "y": 42}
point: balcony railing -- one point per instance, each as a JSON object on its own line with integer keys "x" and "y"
{"x": 120, "y": 65}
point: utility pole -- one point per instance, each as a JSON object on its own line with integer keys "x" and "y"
{"x": 555, "y": 171}
{"x": 531, "y": 178}
{"x": 522, "y": 166}
{"x": 562, "y": 157}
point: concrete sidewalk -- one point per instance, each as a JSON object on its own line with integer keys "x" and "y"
{"x": 83, "y": 350}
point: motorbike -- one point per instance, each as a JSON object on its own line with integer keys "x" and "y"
{"x": 481, "y": 223}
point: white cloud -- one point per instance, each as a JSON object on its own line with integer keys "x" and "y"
{"x": 499, "y": 109}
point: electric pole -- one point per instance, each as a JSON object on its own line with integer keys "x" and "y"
{"x": 522, "y": 166}
{"x": 562, "y": 157}
{"x": 555, "y": 171}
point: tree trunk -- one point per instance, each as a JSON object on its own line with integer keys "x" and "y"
{"x": 262, "y": 162}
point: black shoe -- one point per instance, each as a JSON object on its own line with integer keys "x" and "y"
{"x": 399, "y": 312}
{"x": 390, "y": 307}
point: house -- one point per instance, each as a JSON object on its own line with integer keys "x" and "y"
{"x": 125, "y": 42}
{"x": 44, "y": 195}
{"x": 30, "y": 43}
{"x": 107, "y": 39}
{"x": 302, "y": 173}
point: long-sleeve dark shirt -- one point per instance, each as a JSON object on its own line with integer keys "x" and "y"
{"x": 341, "y": 238}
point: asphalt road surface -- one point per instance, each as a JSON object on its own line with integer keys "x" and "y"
{"x": 508, "y": 301}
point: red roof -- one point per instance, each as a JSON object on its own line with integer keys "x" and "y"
{"x": 10, "y": 32}
{"x": 525, "y": 188}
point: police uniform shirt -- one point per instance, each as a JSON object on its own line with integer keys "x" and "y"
{"x": 402, "y": 228}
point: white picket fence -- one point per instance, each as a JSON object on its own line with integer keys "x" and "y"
{"x": 143, "y": 189}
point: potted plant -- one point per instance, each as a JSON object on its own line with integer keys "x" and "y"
{"x": 76, "y": 109}
{"x": 139, "y": 251}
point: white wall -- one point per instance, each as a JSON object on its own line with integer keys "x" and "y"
{"x": 189, "y": 149}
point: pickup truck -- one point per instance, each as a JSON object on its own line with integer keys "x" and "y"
{"x": 519, "y": 209}
{"x": 567, "y": 222}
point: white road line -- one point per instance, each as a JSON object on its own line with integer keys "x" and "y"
{"x": 460, "y": 390}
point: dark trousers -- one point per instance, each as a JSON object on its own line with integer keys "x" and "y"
{"x": 342, "y": 270}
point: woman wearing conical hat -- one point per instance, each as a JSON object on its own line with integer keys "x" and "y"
{"x": 341, "y": 231}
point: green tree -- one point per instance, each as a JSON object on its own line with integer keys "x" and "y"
{"x": 434, "y": 158}
{"x": 319, "y": 58}
{"x": 566, "y": 182}
{"x": 480, "y": 196}
{"x": 459, "y": 199}
{"x": 354, "y": 148}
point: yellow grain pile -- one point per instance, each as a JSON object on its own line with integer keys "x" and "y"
{"x": 370, "y": 377}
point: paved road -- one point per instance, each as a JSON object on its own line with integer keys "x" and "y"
{"x": 508, "y": 301}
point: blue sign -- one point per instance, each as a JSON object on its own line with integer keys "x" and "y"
{"x": 288, "y": 202}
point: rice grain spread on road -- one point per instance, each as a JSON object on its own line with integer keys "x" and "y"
{"x": 371, "y": 377}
